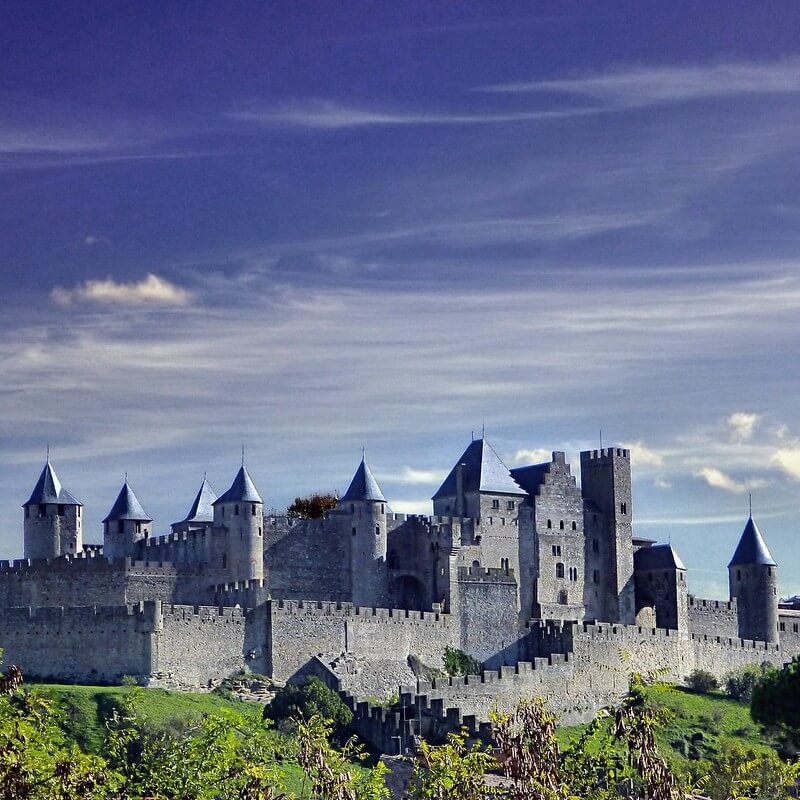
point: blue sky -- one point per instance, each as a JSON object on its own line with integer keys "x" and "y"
{"x": 314, "y": 227}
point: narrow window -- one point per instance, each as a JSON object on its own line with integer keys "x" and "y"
{"x": 377, "y": 530}
{"x": 783, "y": 626}
{"x": 253, "y": 507}
{"x": 596, "y": 576}
{"x": 549, "y": 523}
{"x": 595, "y": 546}
{"x": 259, "y": 531}
{"x": 120, "y": 526}
{"x": 383, "y": 510}
{"x": 223, "y": 511}
{"x": 562, "y": 598}
{"x": 61, "y": 511}
{"x": 561, "y": 525}
{"x": 738, "y": 574}
{"x": 511, "y": 505}
{"x": 495, "y": 504}
{"x": 559, "y": 570}
{"x": 574, "y": 526}
{"x": 354, "y": 530}
{"x": 236, "y": 510}
{"x": 42, "y": 510}
{"x": 623, "y": 507}
{"x": 224, "y": 561}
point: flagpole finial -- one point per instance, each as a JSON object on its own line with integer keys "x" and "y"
{"x": 363, "y": 453}
{"x": 48, "y": 452}
{"x": 750, "y": 499}
{"x": 483, "y": 429}
{"x": 242, "y": 453}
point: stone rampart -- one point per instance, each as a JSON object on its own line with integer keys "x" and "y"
{"x": 713, "y": 617}
{"x": 300, "y": 630}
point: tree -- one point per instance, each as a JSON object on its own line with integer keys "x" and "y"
{"x": 313, "y": 506}
{"x": 311, "y": 698}
{"x": 776, "y": 697}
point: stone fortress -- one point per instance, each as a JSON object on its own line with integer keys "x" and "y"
{"x": 541, "y": 580}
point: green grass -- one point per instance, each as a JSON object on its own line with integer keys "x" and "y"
{"x": 697, "y": 725}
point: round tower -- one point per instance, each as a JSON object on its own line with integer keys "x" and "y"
{"x": 239, "y": 515}
{"x": 365, "y": 503}
{"x": 125, "y": 525}
{"x": 753, "y": 579}
{"x": 53, "y": 519}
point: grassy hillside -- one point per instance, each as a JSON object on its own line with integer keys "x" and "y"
{"x": 697, "y": 724}
{"x": 87, "y": 708}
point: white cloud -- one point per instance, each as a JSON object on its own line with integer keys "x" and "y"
{"x": 743, "y": 425}
{"x": 629, "y": 87}
{"x": 411, "y": 475}
{"x": 150, "y": 290}
{"x": 90, "y": 240}
{"x": 535, "y": 456}
{"x": 643, "y": 456}
{"x": 660, "y": 482}
{"x": 326, "y": 115}
{"x": 788, "y": 459}
{"x": 721, "y": 480}
{"x": 411, "y": 506}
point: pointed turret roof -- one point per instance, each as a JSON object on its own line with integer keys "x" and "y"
{"x": 752, "y": 549}
{"x": 127, "y": 506}
{"x": 202, "y": 509}
{"x": 363, "y": 486}
{"x": 242, "y": 490}
{"x": 48, "y": 489}
{"x": 483, "y": 472}
{"x": 657, "y": 556}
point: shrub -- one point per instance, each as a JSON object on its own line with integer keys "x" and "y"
{"x": 740, "y": 685}
{"x": 457, "y": 662}
{"x": 702, "y": 680}
{"x": 311, "y": 698}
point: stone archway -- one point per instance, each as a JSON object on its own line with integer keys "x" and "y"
{"x": 409, "y": 593}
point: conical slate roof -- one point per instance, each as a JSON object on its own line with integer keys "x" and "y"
{"x": 363, "y": 486}
{"x": 48, "y": 489}
{"x": 752, "y": 549}
{"x": 483, "y": 472}
{"x": 127, "y": 506}
{"x": 202, "y": 509}
{"x": 657, "y": 556}
{"x": 242, "y": 490}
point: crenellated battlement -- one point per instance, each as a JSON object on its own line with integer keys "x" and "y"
{"x": 737, "y": 644}
{"x": 712, "y": 605}
{"x": 94, "y": 565}
{"x": 486, "y": 575}
{"x": 322, "y": 608}
{"x": 606, "y": 454}
{"x": 188, "y": 613}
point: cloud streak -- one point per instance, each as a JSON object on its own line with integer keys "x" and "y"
{"x": 637, "y": 87}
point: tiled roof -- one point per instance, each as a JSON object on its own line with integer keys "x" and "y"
{"x": 483, "y": 472}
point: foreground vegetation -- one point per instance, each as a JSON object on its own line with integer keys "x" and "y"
{"x": 126, "y": 743}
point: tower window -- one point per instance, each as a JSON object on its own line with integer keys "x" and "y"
{"x": 562, "y": 598}
{"x": 559, "y": 570}
{"x": 738, "y": 574}
{"x": 561, "y": 525}
{"x": 573, "y": 573}
{"x": 377, "y": 530}
{"x": 596, "y": 576}
{"x": 259, "y": 530}
{"x": 224, "y": 561}
{"x": 495, "y": 503}
{"x": 623, "y": 508}
{"x": 354, "y": 530}
{"x": 253, "y": 509}
{"x": 556, "y": 549}
{"x": 42, "y": 510}
{"x": 549, "y": 523}
{"x": 510, "y": 505}
{"x": 236, "y": 510}
{"x": 120, "y": 526}
{"x": 61, "y": 511}
{"x": 574, "y": 526}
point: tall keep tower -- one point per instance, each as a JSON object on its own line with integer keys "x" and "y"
{"x": 239, "y": 513}
{"x": 365, "y": 502}
{"x": 53, "y": 523}
{"x": 125, "y": 525}
{"x": 606, "y": 488}
{"x": 753, "y": 579}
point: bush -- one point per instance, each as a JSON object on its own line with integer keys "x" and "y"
{"x": 309, "y": 699}
{"x": 702, "y": 680}
{"x": 740, "y": 685}
{"x": 457, "y": 662}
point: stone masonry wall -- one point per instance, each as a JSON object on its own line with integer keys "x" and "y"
{"x": 298, "y": 631}
{"x": 82, "y": 645}
{"x": 713, "y": 617}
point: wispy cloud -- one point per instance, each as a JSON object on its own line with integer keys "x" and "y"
{"x": 537, "y": 455}
{"x": 330, "y": 116}
{"x": 414, "y": 476}
{"x": 150, "y": 290}
{"x": 788, "y": 460}
{"x": 642, "y": 455}
{"x": 721, "y": 480}
{"x": 743, "y": 425}
{"x": 635, "y": 86}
